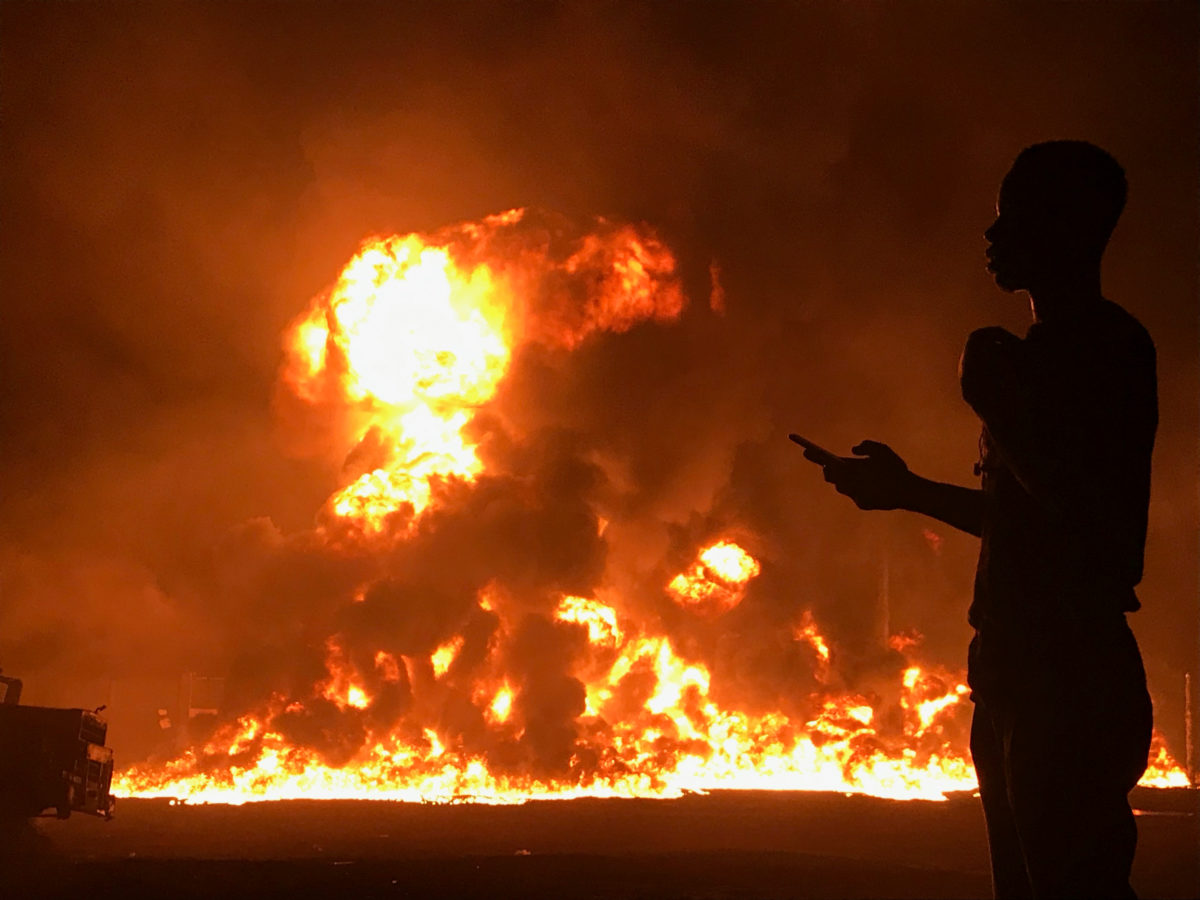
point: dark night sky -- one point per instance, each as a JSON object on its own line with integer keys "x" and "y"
{"x": 179, "y": 179}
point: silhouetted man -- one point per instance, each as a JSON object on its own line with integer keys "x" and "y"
{"x": 1062, "y": 722}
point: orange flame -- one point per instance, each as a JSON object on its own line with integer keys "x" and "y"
{"x": 500, "y": 708}
{"x": 675, "y": 738}
{"x": 444, "y": 656}
{"x": 1162, "y": 770}
{"x": 600, "y": 620}
{"x": 806, "y": 631}
{"x": 342, "y": 686}
{"x": 716, "y": 582}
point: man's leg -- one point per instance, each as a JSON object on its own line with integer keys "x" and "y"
{"x": 1010, "y": 881}
{"x": 1072, "y": 756}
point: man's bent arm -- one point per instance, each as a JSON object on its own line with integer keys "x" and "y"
{"x": 959, "y": 507}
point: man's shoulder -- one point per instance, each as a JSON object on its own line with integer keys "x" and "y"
{"x": 1105, "y": 347}
{"x": 1105, "y": 334}
{"x": 1121, "y": 331}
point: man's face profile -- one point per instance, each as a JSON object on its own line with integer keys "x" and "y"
{"x": 1056, "y": 209}
{"x": 1030, "y": 238}
{"x": 1012, "y": 253}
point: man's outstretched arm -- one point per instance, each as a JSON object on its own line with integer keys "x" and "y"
{"x": 959, "y": 507}
{"x": 880, "y": 479}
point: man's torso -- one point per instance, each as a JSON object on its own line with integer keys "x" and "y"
{"x": 1045, "y": 568}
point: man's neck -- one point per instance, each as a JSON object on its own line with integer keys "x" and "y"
{"x": 1066, "y": 298}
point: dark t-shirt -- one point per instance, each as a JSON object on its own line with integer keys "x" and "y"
{"x": 1065, "y": 543}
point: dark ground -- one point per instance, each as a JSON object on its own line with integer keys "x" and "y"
{"x": 726, "y": 845}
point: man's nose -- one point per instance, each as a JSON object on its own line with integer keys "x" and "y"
{"x": 992, "y": 231}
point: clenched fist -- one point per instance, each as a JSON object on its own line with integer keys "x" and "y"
{"x": 988, "y": 370}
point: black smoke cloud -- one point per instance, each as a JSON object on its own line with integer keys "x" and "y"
{"x": 178, "y": 180}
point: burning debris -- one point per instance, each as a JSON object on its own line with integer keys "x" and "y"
{"x": 475, "y": 641}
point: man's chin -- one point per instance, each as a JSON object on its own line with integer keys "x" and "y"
{"x": 1007, "y": 282}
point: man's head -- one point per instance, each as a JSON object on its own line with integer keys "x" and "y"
{"x": 1057, "y": 207}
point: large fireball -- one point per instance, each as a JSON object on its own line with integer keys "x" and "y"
{"x": 418, "y": 331}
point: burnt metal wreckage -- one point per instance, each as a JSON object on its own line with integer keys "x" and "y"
{"x": 52, "y": 761}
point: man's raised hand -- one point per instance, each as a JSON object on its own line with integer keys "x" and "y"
{"x": 879, "y": 480}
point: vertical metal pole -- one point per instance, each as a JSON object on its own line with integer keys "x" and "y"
{"x": 1189, "y": 739}
{"x": 885, "y": 594}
